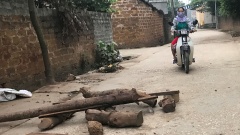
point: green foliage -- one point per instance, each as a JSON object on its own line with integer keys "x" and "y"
{"x": 230, "y": 8}
{"x": 106, "y": 53}
{"x": 95, "y": 5}
{"x": 90, "y": 5}
{"x": 225, "y": 7}
{"x": 204, "y": 5}
{"x": 197, "y": 3}
{"x": 178, "y": 3}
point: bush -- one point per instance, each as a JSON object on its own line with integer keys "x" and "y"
{"x": 107, "y": 53}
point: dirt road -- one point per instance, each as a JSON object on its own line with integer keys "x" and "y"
{"x": 209, "y": 99}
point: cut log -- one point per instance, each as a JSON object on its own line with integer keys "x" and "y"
{"x": 115, "y": 119}
{"x": 96, "y": 115}
{"x": 123, "y": 98}
{"x": 95, "y": 128}
{"x": 88, "y": 94}
{"x": 168, "y": 104}
{"x": 45, "y": 134}
{"x": 50, "y": 122}
{"x": 125, "y": 119}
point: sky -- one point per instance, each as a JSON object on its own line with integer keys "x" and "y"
{"x": 186, "y": 1}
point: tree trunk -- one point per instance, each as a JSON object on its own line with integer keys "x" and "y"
{"x": 50, "y": 122}
{"x": 110, "y": 100}
{"x": 96, "y": 115}
{"x": 115, "y": 119}
{"x": 168, "y": 104}
{"x": 125, "y": 119}
{"x": 173, "y": 8}
{"x": 43, "y": 44}
{"x": 87, "y": 94}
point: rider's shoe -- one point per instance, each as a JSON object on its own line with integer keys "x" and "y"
{"x": 193, "y": 60}
{"x": 174, "y": 61}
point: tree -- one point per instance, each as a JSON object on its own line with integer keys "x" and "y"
{"x": 43, "y": 44}
{"x": 204, "y": 5}
{"x": 90, "y": 5}
{"x": 230, "y": 8}
{"x": 178, "y": 3}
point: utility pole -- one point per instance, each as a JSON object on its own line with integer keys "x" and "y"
{"x": 173, "y": 9}
{"x": 216, "y": 19}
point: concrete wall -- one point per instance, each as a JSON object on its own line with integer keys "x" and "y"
{"x": 136, "y": 24}
{"x": 229, "y": 24}
{"x": 102, "y": 26}
{"x": 208, "y": 18}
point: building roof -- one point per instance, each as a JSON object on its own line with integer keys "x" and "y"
{"x": 153, "y": 7}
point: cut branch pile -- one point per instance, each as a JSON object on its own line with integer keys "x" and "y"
{"x": 99, "y": 108}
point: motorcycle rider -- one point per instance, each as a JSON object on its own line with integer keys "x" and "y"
{"x": 180, "y": 22}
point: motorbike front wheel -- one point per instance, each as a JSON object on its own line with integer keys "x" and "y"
{"x": 186, "y": 62}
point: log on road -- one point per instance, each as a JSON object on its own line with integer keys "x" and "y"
{"x": 115, "y": 118}
{"x": 167, "y": 103}
{"x": 50, "y": 122}
{"x": 123, "y": 98}
{"x": 88, "y": 94}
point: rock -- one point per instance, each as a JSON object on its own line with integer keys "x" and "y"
{"x": 95, "y": 128}
{"x": 71, "y": 77}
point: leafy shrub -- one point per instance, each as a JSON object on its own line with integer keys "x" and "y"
{"x": 107, "y": 53}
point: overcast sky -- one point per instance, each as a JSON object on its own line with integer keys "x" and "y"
{"x": 186, "y": 1}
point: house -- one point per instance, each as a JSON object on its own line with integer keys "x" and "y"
{"x": 160, "y": 5}
{"x": 205, "y": 19}
{"x": 137, "y": 23}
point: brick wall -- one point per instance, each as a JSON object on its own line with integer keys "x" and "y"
{"x": 21, "y": 64}
{"x": 136, "y": 24}
{"x": 229, "y": 23}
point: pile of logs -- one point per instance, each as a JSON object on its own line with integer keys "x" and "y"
{"x": 99, "y": 109}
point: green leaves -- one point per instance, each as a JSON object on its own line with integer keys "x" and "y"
{"x": 106, "y": 53}
{"x": 225, "y": 7}
{"x": 90, "y": 5}
{"x": 230, "y": 8}
{"x": 95, "y": 5}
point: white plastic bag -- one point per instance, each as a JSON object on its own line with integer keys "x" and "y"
{"x": 7, "y": 94}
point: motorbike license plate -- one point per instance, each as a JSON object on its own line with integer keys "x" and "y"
{"x": 183, "y": 31}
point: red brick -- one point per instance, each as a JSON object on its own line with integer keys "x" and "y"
{"x": 10, "y": 33}
{"x": 21, "y": 32}
{"x": 14, "y": 62}
{"x": 21, "y": 68}
{"x": 2, "y": 72}
{"x": 32, "y": 39}
{"x": 30, "y": 32}
{"x": 16, "y": 40}
{"x": 4, "y": 64}
{"x": 10, "y": 71}
{"x": 17, "y": 18}
{"x": 6, "y": 40}
{"x": 24, "y": 40}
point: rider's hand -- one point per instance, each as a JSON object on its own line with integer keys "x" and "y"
{"x": 193, "y": 30}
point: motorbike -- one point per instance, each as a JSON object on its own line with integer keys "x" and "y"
{"x": 184, "y": 48}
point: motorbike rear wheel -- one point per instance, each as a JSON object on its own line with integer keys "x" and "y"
{"x": 186, "y": 62}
